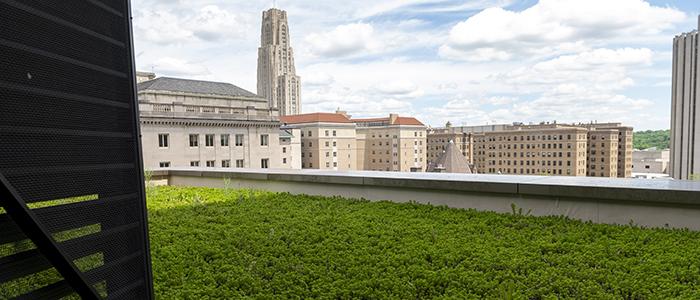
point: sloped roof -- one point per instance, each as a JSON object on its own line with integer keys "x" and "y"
{"x": 450, "y": 161}
{"x": 399, "y": 121}
{"x": 315, "y": 118}
{"x": 195, "y": 87}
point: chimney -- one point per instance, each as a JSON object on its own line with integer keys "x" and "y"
{"x": 342, "y": 112}
{"x": 392, "y": 118}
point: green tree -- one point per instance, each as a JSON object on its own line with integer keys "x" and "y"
{"x": 661, "y": 139}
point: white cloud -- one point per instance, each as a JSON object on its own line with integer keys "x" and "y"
{"x": 318, "y": 79}
{"x": 178, "y": 67}
{"x": 400, "y": 88}
{"x": 210, "y": 23}
{"x": 344, "y": 40}
{"x": 552, "y": 26}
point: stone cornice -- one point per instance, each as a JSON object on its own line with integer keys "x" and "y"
{"x": 210, "y": 123}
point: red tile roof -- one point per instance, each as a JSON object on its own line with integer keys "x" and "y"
{"x": 315, "y": 118}
{"x": 408, "y": 121}
{"x": 399, "y": 121}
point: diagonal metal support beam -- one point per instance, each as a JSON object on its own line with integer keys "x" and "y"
{"x": 26, "y": 220}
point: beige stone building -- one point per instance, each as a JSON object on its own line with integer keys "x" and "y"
{"x": 396, "y": 144}
{"x": 532, "y": 150}
{"x": 328, "y": 140}
{"x": 189, "y": 123}
{"x": 623, "y": 153}
{"x": 337, "y": 142}
{"x": 596, "y": 149}
{"x": 277, "y": 78}
{"x": 602, "y": 153}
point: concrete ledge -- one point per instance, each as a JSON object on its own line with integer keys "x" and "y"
{"x": 656, "y": 203}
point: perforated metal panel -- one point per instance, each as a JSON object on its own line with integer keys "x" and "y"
{"x": 73, "y": 222}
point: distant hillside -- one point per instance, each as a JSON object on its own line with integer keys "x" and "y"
{"x": 660, "y": 139}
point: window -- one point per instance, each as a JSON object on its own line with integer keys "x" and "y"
{"x": 194, "y": 140}
{"x": 211, "y": 163}
{"x": 284, "y": 149}
{"x": 264, "y": 140}
{"x": 334, "y": 133}
{"x": 284, "y": 160}
{"x": 224, "y": 140}
{"x": 264, "y": 163}
{"x": 310, "y": 134}
{"x": 209, "y": 140}
{"x": 163, "y": 140}
{"x": 239, "y": 140}
{"x": 226, "y": 163}
{"x": 165, "y": 164}
{"x": 194, "y": 163}
{"x": 326, "y": 132}
{"x": 239, "y": 163}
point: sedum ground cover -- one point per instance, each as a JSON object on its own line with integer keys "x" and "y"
{"x": 227, "y": 244}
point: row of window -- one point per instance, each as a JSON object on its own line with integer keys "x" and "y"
{"x": 240, "y": 163}
{"x": 524, "y": 171}
{"x": 224, "y": 140}
{"x": 529, "y": 138}
{"x": 311, "y": 134}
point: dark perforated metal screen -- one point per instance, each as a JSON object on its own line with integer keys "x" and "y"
{"x": 73, "y": 222}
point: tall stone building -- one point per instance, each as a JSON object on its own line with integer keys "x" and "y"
{"x": 685, "y": 108}
{"x": 191, "y": 123}
{"x": 277, "y": 79}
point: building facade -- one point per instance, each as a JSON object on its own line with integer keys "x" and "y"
{"x": 551, "y": 150}
{"x": 328, "y": 140}
{"x": 651, "y": 161}
{"x": 277, "y": 79}
{"x": 463, "y": 138}
{"x": 394, "y": 144}
{"x": 685, "y": 108}
{"x": 335, "y": 141}
{"x": 189, "y": 123}
{"x": 596, "y": 150}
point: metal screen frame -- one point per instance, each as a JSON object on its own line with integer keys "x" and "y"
{"x": 24, "y": 222}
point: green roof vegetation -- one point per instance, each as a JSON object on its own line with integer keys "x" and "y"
{"x": 660, "y": 139}
{"x": 229, "y": 244}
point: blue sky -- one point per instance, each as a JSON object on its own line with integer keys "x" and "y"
{"x": 468, "y": 62}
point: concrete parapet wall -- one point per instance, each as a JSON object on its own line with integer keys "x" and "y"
{"x": 651, "y": 203}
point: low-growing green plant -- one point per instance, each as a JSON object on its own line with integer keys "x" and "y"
{"x": 255, "y": 244}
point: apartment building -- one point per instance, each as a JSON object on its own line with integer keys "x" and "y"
{"x": 190, "y": 123}
{"x": 328, "y": 140}
{"x": 624, "y": 152}
{"x": 603, "y": 153}
{"x": 395, "y": 143}
{"x": 532, "y": 150}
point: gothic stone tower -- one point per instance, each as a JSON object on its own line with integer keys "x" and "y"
{"x": 277, "y": 79}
